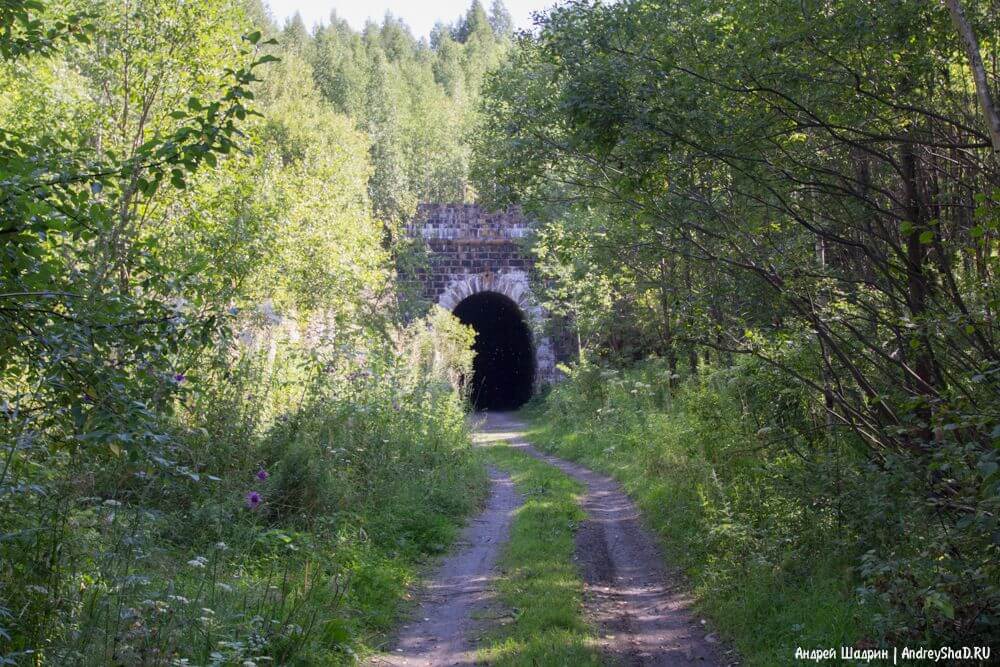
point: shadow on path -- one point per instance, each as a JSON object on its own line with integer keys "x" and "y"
{"x": 643, "y": 612}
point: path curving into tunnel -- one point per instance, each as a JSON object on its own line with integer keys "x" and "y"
{"x": 504, "y": 367}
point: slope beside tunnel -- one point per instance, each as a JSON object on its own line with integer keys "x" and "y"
{"x": 504, "y": 366}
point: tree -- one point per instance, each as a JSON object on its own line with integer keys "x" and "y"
{"x": 338, "y": 67}
{"x": 396, "y": 40}
{"x": 295, "y": 35}
{"x": 96, "y": 327}
{"x": 388, "y": 188}
{"x": 773, "y": 177}
{"x": 475, "y": 22}
{"x": 416, "y": 103}
{"x": 439, "y": 32}
{"x": 501, "y": 20}
{"x": 448, "y": 71}
{"x": 971, "y": 44}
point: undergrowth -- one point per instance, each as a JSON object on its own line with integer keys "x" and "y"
{"x": 774, "y": 569}
{"x": 287, "y": 541}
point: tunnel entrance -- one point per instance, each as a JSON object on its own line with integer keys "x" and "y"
{"x": 504, "y": 367}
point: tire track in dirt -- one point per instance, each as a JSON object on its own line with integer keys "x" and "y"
{"x": 643, "y": 611}
{"x": 443, "y": 631}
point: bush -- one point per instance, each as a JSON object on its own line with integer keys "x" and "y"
{"x": 792, "y": 535}
{"x": 737, "y": 511}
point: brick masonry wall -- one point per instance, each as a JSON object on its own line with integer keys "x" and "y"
{"x": 465, "y": 239}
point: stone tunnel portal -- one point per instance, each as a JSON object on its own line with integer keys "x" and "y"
{"x": 479, "y": 269}
{"x": 504, "y": 367}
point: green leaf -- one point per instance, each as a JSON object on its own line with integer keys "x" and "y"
{"x": 336, "y": 631}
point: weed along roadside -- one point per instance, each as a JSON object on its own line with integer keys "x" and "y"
{"x": 767, "y": 597}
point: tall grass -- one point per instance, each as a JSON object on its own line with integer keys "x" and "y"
{"x": 751, "y": 522}
{"x": 280, "y": 521}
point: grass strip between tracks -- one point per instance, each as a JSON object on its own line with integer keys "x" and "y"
{"x": 540, "y": 589}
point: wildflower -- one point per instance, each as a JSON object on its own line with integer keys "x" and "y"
{"x": 262, "y": 475}
{"x": 221, "y": 546}
{"x": 198, "y": 561}
{"x": 179, "y": 377}
{"x": 253, "y": 499}
{"x": 267, "y": 309}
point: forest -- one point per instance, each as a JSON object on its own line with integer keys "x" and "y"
{"x": 765, "y": 235}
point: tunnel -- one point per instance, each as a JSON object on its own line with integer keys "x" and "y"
{"x": 504, "y": 367}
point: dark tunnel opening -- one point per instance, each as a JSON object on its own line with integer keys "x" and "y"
{"x": 504, "y": 367}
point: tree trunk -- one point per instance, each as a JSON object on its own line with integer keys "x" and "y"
{"x": 918, "y": 290}
{"x": 666, "y": 304}
{"x": 971, "y": 44}
{"x": 691, "y": 349}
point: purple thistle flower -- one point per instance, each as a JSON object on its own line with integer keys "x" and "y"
{"x": 253, "y": 500}
{"x": 179, "y": 377}
{"x": 262, "y": 475}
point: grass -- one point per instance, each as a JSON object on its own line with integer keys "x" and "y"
{"x": 765, "y": 604}
{"x": 359, "y": 496}
{"x": 541, "y": 585}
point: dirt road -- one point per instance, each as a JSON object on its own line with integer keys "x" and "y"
{"x": 640, "y": 608}
{"x": 445, "y": 624}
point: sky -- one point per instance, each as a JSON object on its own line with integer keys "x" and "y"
{"x": 420, "y": 15}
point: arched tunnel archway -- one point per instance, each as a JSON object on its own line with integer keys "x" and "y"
{"x": 504, "y": 367}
